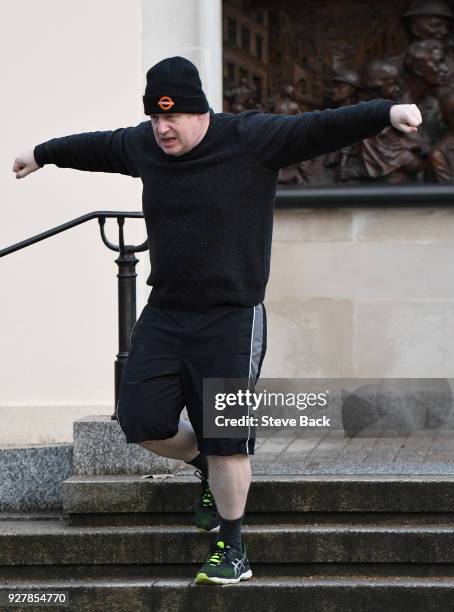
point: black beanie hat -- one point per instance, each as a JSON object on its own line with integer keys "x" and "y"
{"x": 174, "y": 86}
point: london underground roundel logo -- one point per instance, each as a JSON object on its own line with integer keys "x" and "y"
{"x": 165, "y": 102}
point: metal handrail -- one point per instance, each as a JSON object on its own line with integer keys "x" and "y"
{"x": 100, "y": 215}
{"x": 126, "y": 277}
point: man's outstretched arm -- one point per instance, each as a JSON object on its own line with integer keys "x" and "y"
{"x": 109, "y": 151}
{"x": 281, "y": 140}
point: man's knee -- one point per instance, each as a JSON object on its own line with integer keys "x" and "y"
{"x": 157, "y": 441}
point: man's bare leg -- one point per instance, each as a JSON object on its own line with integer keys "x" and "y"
{"x": 230, "y": 478}
{"x": 182, "y": 446}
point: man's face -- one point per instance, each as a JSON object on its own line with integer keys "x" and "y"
{"x": 429, "y": 26}
{"x": 178, "y": 133}
{"x": 433, "y": 67}
{"x": 386, "y": 82}
{"x": 390, "y": 88}
{"x": 342, "y": 91}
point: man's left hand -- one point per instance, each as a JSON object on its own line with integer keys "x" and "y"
{"x": 405, "y": 117}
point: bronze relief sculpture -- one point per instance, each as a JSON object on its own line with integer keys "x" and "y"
{"x": 327, "y": 55}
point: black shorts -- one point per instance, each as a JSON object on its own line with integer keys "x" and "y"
{"x": 172, "y": 351}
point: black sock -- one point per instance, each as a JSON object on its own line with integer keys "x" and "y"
{"x": 200, "y": 462}
{"x": 230, "y": 531}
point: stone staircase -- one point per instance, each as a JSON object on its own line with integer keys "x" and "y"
{"x": 316, "y": 543}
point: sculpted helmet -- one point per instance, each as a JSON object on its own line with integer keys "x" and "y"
{"x": 440, "y": 8}
{"x": 349, "y": 76}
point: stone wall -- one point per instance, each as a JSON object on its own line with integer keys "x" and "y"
{"x": 361, "y": 292}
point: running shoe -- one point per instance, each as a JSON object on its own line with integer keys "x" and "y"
{"x": 225, "y": 565}
{"x": 205, "y": 512}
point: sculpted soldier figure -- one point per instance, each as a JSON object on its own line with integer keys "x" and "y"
{"x": 442, "y": 155}
{"x": 391, "y": 156}
{"x": 427, "y": 70}
{"x": 346, "y": 163}
{"x": 285, "y": 103}
{"x": 347, "y": 85}
{"x": 240, "y": 95}
{"x": 429, "y": 19}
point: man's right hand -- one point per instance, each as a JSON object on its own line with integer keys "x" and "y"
{"x": 25, "y": 163}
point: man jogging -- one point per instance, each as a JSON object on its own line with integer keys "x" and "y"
{"x": 209, "y": 182}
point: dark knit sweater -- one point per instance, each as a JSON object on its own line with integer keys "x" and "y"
{"x": 209, "y": 212}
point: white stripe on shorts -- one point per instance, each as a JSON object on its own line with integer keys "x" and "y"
{"x": 255, "y": 354}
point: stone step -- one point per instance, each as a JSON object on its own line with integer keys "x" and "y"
{"x": 351, "y": 541}
{"x": 24, "y": 573}
{"x": 264, "y": 518}
{"x": 122, "y": 494}
{"x": 311, "y": 594}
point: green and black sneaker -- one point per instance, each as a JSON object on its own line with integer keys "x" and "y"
{"x": 225, "y": 565}
{"x": 205, "y": 512}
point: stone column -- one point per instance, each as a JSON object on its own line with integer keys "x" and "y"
{"x": 192, "y": 29}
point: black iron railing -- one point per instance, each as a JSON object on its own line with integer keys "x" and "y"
{"x": 126, "y": 262}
